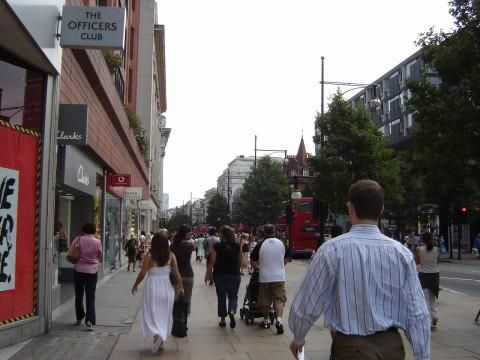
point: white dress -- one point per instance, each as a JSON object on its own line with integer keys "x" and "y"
{"x": 156, "y": 303}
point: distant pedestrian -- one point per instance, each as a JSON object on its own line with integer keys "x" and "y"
{"x": 225, "y": 260}
{"x": 85, "y": 274}
{"x": 212, "y": 239}
{"x": 366, "y": 286}
{"x": 441, "y": 244}
{"x": 141, "y": 247}
{"x": 476, "y": 246}
{"x": 427, "y": 258}
{"x": 183, "y": 247}
{"x": 131, "y": 251}
{"x": 271, "y": 257}
{"x": 245, "y": 254}
{"x": 158, "y": 296}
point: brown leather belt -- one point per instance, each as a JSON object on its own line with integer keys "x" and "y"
{"x": 389, "y": 330}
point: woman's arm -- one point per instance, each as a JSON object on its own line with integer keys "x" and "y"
{"x": 211, "y": 263}
{"x": 141, "y": 274}
{"x": 174, "y": 267}
{"x": 417, "y": 256}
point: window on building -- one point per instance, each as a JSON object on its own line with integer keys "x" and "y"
{"x": 21, "y": 94}
{"x": 132, "y": 41}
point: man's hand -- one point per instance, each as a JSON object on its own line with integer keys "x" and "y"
{"x": 295, "y": 349}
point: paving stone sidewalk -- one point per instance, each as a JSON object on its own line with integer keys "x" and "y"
{"x": 118, "y": 335}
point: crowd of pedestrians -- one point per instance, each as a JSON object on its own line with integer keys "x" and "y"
{"x": 366, "y": 285}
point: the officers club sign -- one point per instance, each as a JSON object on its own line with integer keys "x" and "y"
{"x": 93, "y": 27}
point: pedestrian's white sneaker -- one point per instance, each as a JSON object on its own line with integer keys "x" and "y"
{"x": 89, "y": 326}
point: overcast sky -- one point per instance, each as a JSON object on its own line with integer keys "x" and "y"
{"x": 240, "y": 68}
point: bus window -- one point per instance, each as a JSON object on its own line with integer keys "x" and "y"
{"x": 304, "y": 207}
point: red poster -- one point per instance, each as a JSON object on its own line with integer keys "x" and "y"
{"x": 18, "y": 212}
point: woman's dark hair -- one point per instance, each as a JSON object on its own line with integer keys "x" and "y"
{"x": 212, "y": 230}
{"x": 182, "y": 232}
{"x": 142, "y": 232}
{"x": 160, "y": 250}
{"x": 427, "y": 239}
{"x": 89, "y": 228}
{"x": 228, "y": 234}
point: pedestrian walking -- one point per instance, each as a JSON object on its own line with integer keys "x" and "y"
{"x": 212, "y": 239}
{"x": 245, "y": 254}
{"x": 271, "y": 256}
{"x": 366, "y": 286}
{"x": 131, "y": 252}
{"x": 141, "y": 247}
{"x": 476, "y": 246}
{"x": 85, "y": 274}
{"x": 200, "y": 247}
{"x": 427, "y": 258}
{"x": 158, "y": 296}
{"x": 225, "y": 260}
{"x": 183, "y": 247}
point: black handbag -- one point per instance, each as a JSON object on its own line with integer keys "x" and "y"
{"x": 179, "y": 327}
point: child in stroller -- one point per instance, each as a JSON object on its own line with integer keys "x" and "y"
{"x": 251, "y": 309}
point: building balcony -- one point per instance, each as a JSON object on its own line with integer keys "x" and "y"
{"x": 119, "y": 84}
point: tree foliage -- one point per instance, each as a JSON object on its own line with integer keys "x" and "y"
{"x": 264, "y": 193}
{"x": 176, "y": 220}
{"x": 218, "y": 211}
{"x": 446, "y": 155}
{"x": 353, "y": 149}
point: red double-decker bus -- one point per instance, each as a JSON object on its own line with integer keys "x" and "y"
{"x": 301, "y": 228}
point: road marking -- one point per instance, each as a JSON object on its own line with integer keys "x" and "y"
{"x": 452, "y": 291}
{"x": 451, "y": 278}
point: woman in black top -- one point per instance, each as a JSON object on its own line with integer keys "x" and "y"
{"x": 226, "y": 258}
{"x": 183, "y": 247}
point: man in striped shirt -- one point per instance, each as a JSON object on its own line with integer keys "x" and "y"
{"x": 366, "y": 286}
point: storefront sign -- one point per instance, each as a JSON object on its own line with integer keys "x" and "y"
{"x": 77, "y": 170}
{"x": 120, "y": 180}
{"x": 8, "y": 227}
{"x": 18, "y": 205}
{"x": 72, "y": 124}
{"x": 133, "y": 193}
{"x": 100, "y": 27}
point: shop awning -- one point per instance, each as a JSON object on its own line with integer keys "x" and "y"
{"x": 18, "y": 41}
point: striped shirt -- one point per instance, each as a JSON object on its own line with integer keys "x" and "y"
{"x": 363, "y": 282}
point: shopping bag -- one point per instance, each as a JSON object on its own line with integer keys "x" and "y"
{"x": 179, "y": 328}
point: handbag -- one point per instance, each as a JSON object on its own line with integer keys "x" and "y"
{"x": 179, "y": 327}
{"x": 73, "y": 253}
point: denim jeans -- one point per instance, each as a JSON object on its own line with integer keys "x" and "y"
{"x": 227, "y": 286}
{"x": 85, "y": 283}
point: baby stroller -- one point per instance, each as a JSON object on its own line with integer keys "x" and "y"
{"x": 250, "y": 309}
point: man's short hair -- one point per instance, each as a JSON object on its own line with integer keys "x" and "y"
{"x": 212, "y": 230}
{"x": 268, "y": 230}
{"x": 366, "y": 196}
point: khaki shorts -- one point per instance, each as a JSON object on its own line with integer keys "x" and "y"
{"x": 272, "y": 292}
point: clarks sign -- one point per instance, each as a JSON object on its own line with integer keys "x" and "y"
{"x": 93, "y": 27}
{"x": 72, "y": 124}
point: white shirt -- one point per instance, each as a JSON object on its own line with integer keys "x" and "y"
{"x": 363, "y": 282}
{"x": 271, "y": 261}
{"x": 428, "y": 260}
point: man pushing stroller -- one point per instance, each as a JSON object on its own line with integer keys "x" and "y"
{"x": 271, "y": 255}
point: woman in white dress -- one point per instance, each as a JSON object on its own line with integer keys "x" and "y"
{"x": 158, "y": 296}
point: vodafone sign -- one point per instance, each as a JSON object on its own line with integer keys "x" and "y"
{"x": 119, "y": 180}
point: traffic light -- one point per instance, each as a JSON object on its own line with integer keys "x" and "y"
{"x": 463, "y": 214}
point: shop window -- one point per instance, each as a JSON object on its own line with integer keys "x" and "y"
{"x": 21, "y": 95}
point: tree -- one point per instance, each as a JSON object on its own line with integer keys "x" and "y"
{"x": 446, "y": 135}
{"x": 353, "y": 149}
{"x": 218, "y": 211}
{"x": 264, "y": 193}
{"x": 176, "y": 220}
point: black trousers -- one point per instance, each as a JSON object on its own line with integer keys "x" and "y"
{"x": 85, "y": 283}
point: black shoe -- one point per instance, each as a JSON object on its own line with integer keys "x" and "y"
{"x": 233, "y": 323}
{"x": 222, "y": 324}
{"x": 279, "y": 327}
{"x": 265, "y": 325}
